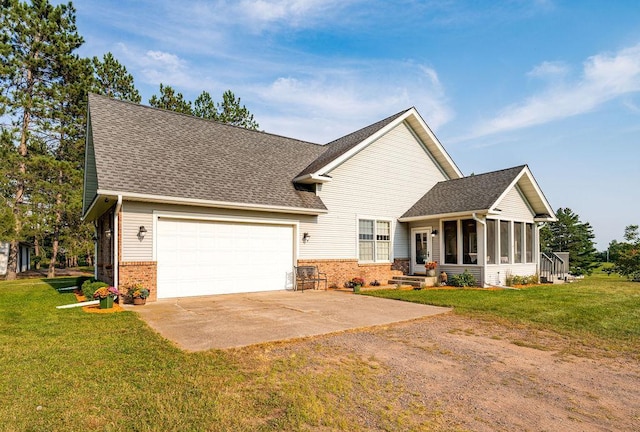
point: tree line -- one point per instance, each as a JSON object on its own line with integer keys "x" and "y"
{"x": 570, "y": 234}
{"x": 43, "y": 106}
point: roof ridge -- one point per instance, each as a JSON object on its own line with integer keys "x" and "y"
{"x": 519, "y": 167}
{"x": 384, "y": 120}
{"x": 168, "y": 111}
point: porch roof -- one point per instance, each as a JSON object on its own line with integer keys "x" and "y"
{"x": 480, "y": 194}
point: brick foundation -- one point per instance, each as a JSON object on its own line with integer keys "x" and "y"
{"x": 143, "y": 272}
{"x": 342, "y": 270}
{"x": 402, "y": 264}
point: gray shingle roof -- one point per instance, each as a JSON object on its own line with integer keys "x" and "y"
{"x": 150, "y": 151}
{"x": 476, "y": 192}
{"x": 337, "y": 148}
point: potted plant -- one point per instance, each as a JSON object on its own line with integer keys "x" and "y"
{"x": 138, "y": 294}
{"x": 106, "y": 295}
{"x": 431, "y": 266}
{"x": 357, "y": 283}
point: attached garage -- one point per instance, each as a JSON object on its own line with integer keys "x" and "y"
{"x": 200, "y": 257}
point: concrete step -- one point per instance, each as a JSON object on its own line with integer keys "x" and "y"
{"x": 415, "y": 281}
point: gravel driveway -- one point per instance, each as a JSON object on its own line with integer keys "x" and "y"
{"x": 483, "y": 376}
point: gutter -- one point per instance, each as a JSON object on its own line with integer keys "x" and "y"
{"x": 116, "y": 234}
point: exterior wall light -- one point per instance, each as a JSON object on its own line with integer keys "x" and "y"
{"x": 107, "y": 233}
{"x": 142, "y": 231}
{"x": 306, "y": 237}
{"x": 434, "y": 233}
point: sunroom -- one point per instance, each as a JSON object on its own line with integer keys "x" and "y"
{"x": 487, "y": 224}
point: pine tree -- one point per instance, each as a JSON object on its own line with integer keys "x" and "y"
{"x": 204, "y": 107}
{"x": 627, "y": 258}
{"x": 113, "y": 80}
{"x": 34, "y": 38}
{"x": 231, "y": 112}
{"x": 170, "y": 100}
{"x": 569, "y": 234}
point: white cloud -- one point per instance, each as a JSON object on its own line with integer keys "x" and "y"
{"x": 331, "y": 102}
{"x": 549, "y": 70}
{"x": 155, "y": 67}
{"x": 291, "y": 12}
{"x": 604, "y": 77}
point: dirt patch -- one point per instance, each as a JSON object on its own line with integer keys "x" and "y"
{"x": 457, "y": 373}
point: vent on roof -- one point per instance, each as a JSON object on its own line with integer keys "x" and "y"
{"x": 311, "y": 187}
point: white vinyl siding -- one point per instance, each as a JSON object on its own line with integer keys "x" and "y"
{"x": 497, "y": 274}
{"x": 514, "y": 206}
{"x": 385, "y": 179}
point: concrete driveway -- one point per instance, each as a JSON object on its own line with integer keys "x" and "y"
{"x": 237, "y": 320}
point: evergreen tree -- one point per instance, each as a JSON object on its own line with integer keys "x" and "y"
{"x": 627, "y": 258}
{"x": 34, "y": 39}
{"x": 204, "y": 107}
{"x": 230, "y": 111}
{"x": 569, "y": 234}
{"x": 113, "y": 80}
{"x": 170, "y": 100}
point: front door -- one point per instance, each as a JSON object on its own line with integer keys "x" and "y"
{"x": 420, "y": 249}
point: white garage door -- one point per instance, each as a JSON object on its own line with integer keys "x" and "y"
{"x": 203, "y": 257}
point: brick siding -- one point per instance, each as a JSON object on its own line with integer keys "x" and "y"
{"x": 343, "y": 270}
{"x": 142, "y": 272}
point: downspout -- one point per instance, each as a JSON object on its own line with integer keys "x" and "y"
{"x": 482, "y": 256}
{"x": 116, "y": 234}
{"x": 95, "y": 250}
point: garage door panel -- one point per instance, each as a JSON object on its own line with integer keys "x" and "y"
{"x": 202, "y": 258}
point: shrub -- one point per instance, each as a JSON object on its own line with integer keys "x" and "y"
{"x": 512, "y": 280}
{"x": 90, "y": 286}
{"x": 463, "y": 280}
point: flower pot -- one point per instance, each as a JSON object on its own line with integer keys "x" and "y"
{"x": 139, "y": 301}
{"x": 106, "y": 303}
{"x": 431, "y": 273}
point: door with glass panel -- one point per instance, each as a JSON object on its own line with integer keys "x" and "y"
{"x": 421, "y": 250}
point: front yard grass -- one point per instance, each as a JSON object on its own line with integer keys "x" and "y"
{"x": 70, "y": 370}
{"x": 600, "y": 309}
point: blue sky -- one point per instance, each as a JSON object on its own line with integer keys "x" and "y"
{"x": 554, "y": 84}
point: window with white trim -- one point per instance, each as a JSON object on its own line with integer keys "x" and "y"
{"x": 529, "y": 236}
{"x": 374, "y": 240}
{"x": 518, "y": 241}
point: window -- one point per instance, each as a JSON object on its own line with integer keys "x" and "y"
{"x": 504, "y": 242}
{"x": 469, "y": 242}
{"x": 383, "y": 241}
{"x": 374, "y": 240}
{"x": 491, "y": 241}
{"x": 529, "y": 235}
{"x": 450, "y": 242}
{"x": 517, "y": 242}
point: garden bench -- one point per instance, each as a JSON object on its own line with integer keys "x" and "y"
{"x": 306, "y": 275}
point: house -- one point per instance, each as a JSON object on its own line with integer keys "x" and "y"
{"x": 190, "y": 207}
{"x": 24, "y": 257}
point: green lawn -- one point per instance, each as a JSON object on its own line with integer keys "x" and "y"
{"x": 111, "y": 372}
{"x": 600, "y": 309}
{"x": 70, "y": 370}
